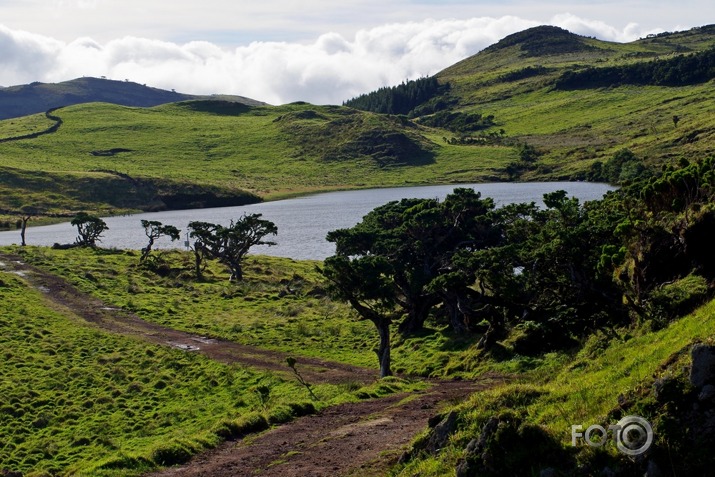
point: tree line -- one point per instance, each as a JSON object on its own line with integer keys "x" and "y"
{"x": 684, "y": 70}
{"x": 400, "y": 99}
{"x": 227, "y": 244}
{"x": 545, "y": 276}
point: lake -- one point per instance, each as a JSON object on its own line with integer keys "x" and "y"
{"x": 302, "y": 222}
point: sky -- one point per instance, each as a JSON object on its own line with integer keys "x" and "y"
{"x": 280, "y": 51}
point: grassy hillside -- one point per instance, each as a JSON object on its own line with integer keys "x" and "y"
{"x": 639, "y": 372}
{"x": 514, "y": 80}
{"x": 81, "y": 401}
{"x": 24, "y": 100}
{"x": 230, "y": 150}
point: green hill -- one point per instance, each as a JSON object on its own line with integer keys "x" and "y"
{"x": 22, "y": 100}
{"x": 533, "y": 106}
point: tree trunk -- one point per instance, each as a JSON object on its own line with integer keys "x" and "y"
{"x": 198, "y": 258}
{"x": 416, "y": 316}
{"x": 383, "y": 351}
{"x": 22, "y": 232}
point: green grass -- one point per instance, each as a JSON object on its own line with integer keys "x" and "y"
{"x": 257, "y": 311}
{"x": 561, "y": 390}
{"x": 80, "y": 401}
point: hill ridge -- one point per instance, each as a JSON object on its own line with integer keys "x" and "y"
{"x": 38, "y": 97}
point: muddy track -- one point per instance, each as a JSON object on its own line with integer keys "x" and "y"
{"x": 353, "y": 439}
{"x": 60, "y": 293}
{"x": 356, "y": 439}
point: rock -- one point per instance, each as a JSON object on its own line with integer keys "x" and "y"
{"x": 441, "y": 429}
{"x": 707, "y": 393}
{"x": 548, "y": 472}
{"x": 441, "y": 432}
{"x": 653, "y": 470}
{"x": 702, "y": 371}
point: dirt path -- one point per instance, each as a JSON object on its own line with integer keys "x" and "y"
{"x": 354, "y": 439}
{"x": 62, "y": 294}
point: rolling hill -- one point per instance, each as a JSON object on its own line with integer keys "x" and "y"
{"x": 540, "y": 104}
{"x": 23, "y": 100}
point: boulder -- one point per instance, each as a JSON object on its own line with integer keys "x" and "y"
{"x": 702, "y": 371}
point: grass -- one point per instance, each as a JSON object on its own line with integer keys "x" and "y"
{"x": 80, "y": 401}
{"x": 270, "y": 151}
{"x": 280, "y": 305}
{"x": 561, "y": 390}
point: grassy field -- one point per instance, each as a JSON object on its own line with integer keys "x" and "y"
{"x": 81, "y": 401}
{"x": 280, "y": 305}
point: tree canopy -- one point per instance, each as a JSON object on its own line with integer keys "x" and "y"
{"x": 231, "y": 244}
{"x": 541, "y": 277}
{"x": 89, "y": 229}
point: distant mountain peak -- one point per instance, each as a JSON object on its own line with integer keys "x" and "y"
{"x": 543, "y": 40}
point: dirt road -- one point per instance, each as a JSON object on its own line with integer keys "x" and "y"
{"x": 354, "y": 439}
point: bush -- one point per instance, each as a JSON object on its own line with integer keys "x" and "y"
{"x": 678, "y": 298}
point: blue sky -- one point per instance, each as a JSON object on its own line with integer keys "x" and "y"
{"x": 323, "y": 51}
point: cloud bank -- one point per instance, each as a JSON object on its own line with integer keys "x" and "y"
{"x": 328, "y": 70}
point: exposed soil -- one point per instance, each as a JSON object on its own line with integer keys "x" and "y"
{"x": 354, "y": 439}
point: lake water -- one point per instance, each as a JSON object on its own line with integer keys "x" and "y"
{"x": 302, "y": 222}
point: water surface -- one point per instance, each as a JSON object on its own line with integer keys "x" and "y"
{"x": 302, "y": 222}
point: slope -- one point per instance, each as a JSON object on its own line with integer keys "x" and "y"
{"x": 170, "y": 155}
{"x": 24, "y": 100}
{"x": 521, "y": 84}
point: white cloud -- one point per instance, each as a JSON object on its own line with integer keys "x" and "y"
{"x": 329, "y": 69}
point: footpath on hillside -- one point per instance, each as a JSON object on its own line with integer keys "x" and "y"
{"x": 352, "y": 439}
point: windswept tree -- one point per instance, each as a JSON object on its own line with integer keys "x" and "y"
{"x": 365, "y": 284}
{"x": 89, "y": 229}
{"x": 26, "y": 214}
{"x": 417, "y": 239}
{"x": 398, "y": 263}
{"x": 153, "y": 230}
{"x": 230, "y": 245}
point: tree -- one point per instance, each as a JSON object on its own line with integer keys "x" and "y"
{"x": 153, "y": 230}
{"x": 231, "y": 244}
{"x": 24, "y": 219}
{"x": 364, "y": 283}
{"x": 89, "y": 229}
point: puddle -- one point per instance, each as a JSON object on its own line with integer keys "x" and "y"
{"x": 183, "y": 346}
{"x": 203, "y": 339}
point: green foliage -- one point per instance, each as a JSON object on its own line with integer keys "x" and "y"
{"x": 624, "y": 167}
{"x": 457, "y": 121}
{"x": 231, "y": 244}
{"x": 155, "y": 229}
{"x": 89, "y": 229}
{"x": 682, "y": 70}
{"x": 677, "y": 298}
{"x": 401, "y": 99}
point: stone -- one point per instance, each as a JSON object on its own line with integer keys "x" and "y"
{"x": 441, "y": 432}
{"x": 707, "y": 393}
{"x": 702, "y": 371}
